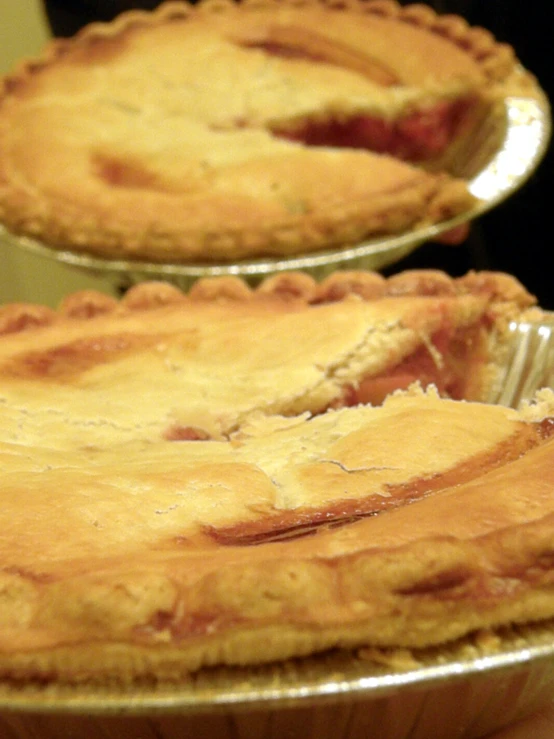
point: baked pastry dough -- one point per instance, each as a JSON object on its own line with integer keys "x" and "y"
{"x": 227, "y": 131}
{"x": 177, "y": 492}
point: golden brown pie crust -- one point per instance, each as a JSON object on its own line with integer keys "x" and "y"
{"x": 127, "y": 553}
{"x": 110, "y": 147}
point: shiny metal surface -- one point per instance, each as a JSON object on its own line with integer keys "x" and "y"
{"x": 307, "y": 682}
{"x": 531, "y": 362}
{"x": 503, "y": 154}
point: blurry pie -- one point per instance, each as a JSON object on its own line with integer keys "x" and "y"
{"x": 192, "y": 480}
{"x": 224, "y": 131}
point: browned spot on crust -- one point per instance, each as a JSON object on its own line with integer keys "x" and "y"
{"x": 19, "y": 317}
{"x": 87, "y": 304}
{"x": 546, "y": 427}
{"x": 96, "y": 47}
{"x": 124, "y": 173}
{"x": 295, "y": 42}
{"x": 186, "y": 433}
{"x": 448, "y": 582}
{"x": 71, "y": 359}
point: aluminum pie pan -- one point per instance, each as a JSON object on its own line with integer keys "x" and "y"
{"x": 503, "y": 154}
{"x": 311, "y": 681}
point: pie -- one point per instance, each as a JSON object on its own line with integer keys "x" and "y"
{"x": 228, "y": 131}
{"x": 186, "y": 483}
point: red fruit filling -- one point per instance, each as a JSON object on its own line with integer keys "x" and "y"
{"x": 417, "y": 136}
{"x": 459, "y": 352}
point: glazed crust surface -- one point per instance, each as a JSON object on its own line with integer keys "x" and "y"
{"x": 128, "y": 552}
{"x": 108, "y": 146}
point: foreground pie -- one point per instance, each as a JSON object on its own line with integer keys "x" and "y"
{"x": 183, "y": 485}
{"x": 227, "y": 131}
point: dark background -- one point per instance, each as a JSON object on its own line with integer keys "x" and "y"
{"x": 515, "y": 237}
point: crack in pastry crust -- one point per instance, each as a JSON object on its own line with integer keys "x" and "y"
{"x": 308, "y": 522}
{"x": 188, "y": 172}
